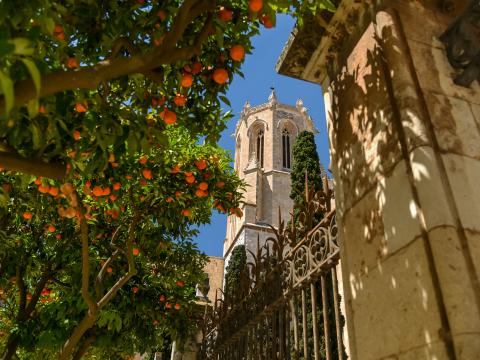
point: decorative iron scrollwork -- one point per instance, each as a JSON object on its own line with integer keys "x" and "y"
{"x": 286, "y": 263}
{"x": 462, "y": 41}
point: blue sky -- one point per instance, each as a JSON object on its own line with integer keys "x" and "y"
{"x": 260, "y": 75}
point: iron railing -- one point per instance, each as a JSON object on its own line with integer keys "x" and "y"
{"x": 287, "y": 303}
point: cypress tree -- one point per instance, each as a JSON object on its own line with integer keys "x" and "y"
{"x": 305, "y": 159}
{"x": 235, "y": 267}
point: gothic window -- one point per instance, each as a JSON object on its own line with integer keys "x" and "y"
{"x": 259, "y": 149}
{"x": 286, "y": 149}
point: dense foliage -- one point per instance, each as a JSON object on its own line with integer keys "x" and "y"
{"x": 305, "y": 161}
{"x": 235, "y": 267}
{"x": 104, "y": 106}
{"x": 132, "y": 236}
{"x": 81, "y": 79}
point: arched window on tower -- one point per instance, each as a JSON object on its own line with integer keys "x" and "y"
{"x": 286, "y": 149}
{"x": 259, "y": 149}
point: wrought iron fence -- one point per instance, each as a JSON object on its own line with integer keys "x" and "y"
{"x": 287, "y": 303}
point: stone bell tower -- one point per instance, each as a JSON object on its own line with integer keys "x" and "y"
{"x": 264, "y": 135}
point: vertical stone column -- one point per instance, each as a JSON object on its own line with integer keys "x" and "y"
{"x": 405, "y": 154}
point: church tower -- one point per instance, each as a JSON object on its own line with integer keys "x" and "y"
{"x": 264, "y": 136}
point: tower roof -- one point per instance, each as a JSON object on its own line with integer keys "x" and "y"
{"x": 273, "y": 102}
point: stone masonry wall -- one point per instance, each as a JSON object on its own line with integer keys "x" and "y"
{"x": 405, "y": 148}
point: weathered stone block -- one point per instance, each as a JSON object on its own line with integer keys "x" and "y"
{"x": 457, "y": 289}
{"x": 428, "y": 182}
{"x": 463, "y": 174}
{"x": 455, "y": 127}
{"x": 395, "y": 302}
{"x": 436, "y": 75}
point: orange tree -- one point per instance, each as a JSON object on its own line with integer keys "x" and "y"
{"x": 123, "y": 230}
{"x": 87, "y": 90}
{"x": 80, "y": 76}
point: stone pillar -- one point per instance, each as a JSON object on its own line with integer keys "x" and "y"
{"x": 405, "y": 155}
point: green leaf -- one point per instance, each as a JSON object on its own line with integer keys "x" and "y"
{"x": 34, "y": 73}
{"x": 32, "y": 107}
{"x": 22, "y": 46}
{"x": 7, "y": 88}
{"x": 225, "y": 100}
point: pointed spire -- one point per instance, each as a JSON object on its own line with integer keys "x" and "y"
{"x": 299, "y": 104}
{"x": 273, "y": 96}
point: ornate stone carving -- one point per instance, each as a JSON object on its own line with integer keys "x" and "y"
{"x": 462, "y": 42}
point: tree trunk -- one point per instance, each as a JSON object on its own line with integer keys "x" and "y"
{"x": 11, "y": 347}
{"x": 84, "y": 347}
{"x": 70, "y": 345}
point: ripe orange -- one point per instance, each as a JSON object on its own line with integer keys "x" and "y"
{"x": 38, "y": 180}
{"x": 135, "y": 289}
{"x": 41, "y": 109}
{"x": 255, "y": 5}
{"x": 142, "y": 182}
{"x": 77, "y": 135}
{"x": 177, "y": 306}
{"x": 196, "y": 68}
{"x": 53, "y": 191}
{"x": 237, "y": 52}
{"x": 220, "y": 184}
{"x": 188, "y": 173}
{"x": 128, "y": 177}
{"x": 147, "y": 173}
{"x": 201, "y": 164}
{"x": 113, "y": 197}
{"x": 72, "y": 63}
{"x": 43, "y": 189}
{"x": 203, "y": 186}
{"x": 200, "y": 193}
{"x": 220, "y": 76}
{"x": 162, "y": 298}
{"x": 135, "y": 251}
{"x": 186, "y": 212}
{"x": 266, "y": 21}
{"x": 109, "y": 270}
{"x": 106, "y": 191}
{"x": 143, "y": 160}
{"x": 168, "y": 306}
{"x": 58, "y": 236}
{"x": 169, "y": 199}
{"x": 180, "y": 100}
{"x": 80, "y": 108}
{"x": 27, "y": 215}
{"x": 190, "y": 179}
{"x": 117, "y": 186}
{"x": 51, "y": 228}
{"x": 180, "y": 283}
{"x": 97, "y": 191}
{"x": 178, "y": 194}
{"x": 225, "y": 14}
{"x": 87, "y": 184}
{"x": 175, "y": 169}
{"x": 187, "y": 80}
{"x": 169, "y": 117}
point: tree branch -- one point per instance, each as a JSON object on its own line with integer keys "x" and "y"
{"x": 132, "y": 271}
{"x": 90, "y": 77}
{"x": 92, "y": 306}
{"x": 16, "y": 162}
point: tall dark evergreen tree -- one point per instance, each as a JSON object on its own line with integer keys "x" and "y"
{"x": 305, "y": 159}
{"x": 235, "y": 267}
